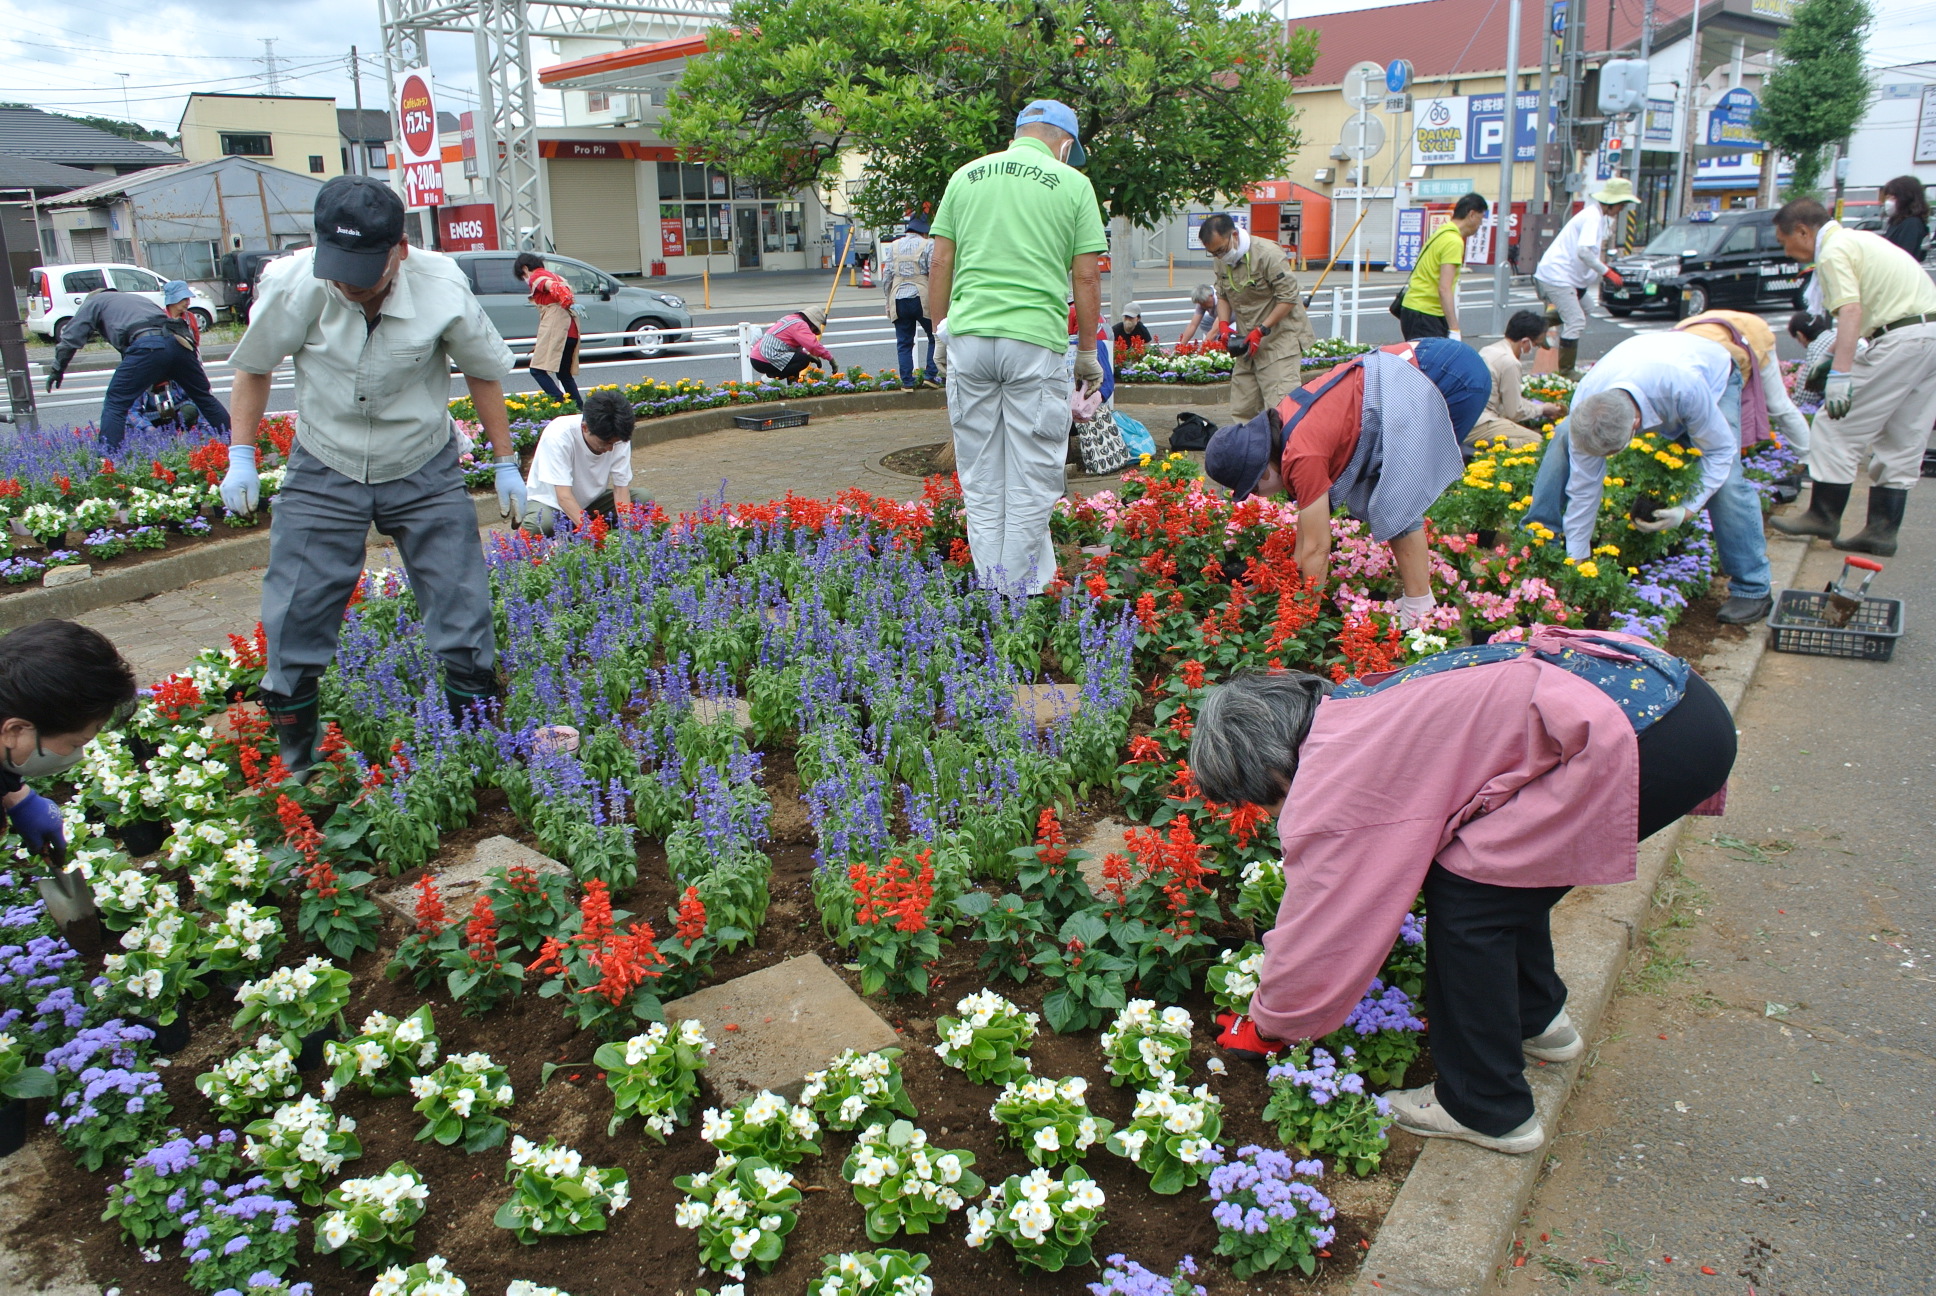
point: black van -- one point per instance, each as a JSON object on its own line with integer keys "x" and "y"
{"x": 1711, "y": 259}
{"x": 239, "y": 273}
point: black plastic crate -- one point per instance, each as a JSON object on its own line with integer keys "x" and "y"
{"x": 1799, "y": 627}
{"x": 781, "y": 418}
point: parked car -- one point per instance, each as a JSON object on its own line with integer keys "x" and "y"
{"x": 58, "y": 291}
{"x": 651, "y": 321}
{"x": 1724, "y": 259}
{"x": 241, "y": 275}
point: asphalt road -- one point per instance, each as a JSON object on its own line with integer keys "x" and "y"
{"x": 1762, "y": 1108}
{"x": 859, "y": 335}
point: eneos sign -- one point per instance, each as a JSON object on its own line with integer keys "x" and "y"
{"x": 420, "y": 154}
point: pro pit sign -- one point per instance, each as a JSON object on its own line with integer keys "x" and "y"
{"x": 419, "y": 151}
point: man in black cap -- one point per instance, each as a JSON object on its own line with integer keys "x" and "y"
{"x": 374, "y": 326}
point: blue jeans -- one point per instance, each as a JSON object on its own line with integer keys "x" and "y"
{"x": 1734, "y": 509}
{"x": 907, "y": 315}
{"x": 147, "y": 361}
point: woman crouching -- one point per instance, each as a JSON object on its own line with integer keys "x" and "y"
{"x": 1491, "y": 779}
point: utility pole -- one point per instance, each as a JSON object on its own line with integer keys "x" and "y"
{"x": 1508, "y": 155}
{"x": 360, "y": 163}
{"x": 1684, "y": 165}
{"x": 1640, "y": 124}
{"x": 13, "y": 342}
{"x": 1532, "y": 239}
{"x": 126, "y": 106}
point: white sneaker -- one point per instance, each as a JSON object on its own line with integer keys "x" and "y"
{"x": 1418, "y": 1111}
{"x": 1559, "y": 1042}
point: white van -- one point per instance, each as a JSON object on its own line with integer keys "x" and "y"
{"x": 58, "y": 291}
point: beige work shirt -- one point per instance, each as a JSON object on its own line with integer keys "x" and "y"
{"x": 372, "y": 403}
{"x": 1508, "y": 400}
{"x": 1857, "y": 266}
{"x": 1254, "y": 287}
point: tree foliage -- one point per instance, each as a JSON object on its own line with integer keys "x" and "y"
{"x": 1818, "y": 90}
{"x": 1179, "y": 100}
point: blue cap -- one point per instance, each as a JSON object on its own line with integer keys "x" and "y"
{"x": 1051, "y": 112}
{"x": 1237, "y": 454}
{"x": 175, "y": 290}
{"x": 918, "y": 223}
{"x": 1461, "y": 377}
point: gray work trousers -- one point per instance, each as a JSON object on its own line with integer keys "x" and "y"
{"x": 316, "y": 547}
{"x": 1008, "y": 404}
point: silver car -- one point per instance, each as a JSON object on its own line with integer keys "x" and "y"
{"x": 650, "y": 321}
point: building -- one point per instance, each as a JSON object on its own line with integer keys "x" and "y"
{"x": 298, "y": 133}
{"x": 616, "y": 193}
{"x": 22, "y": 181}
{"x": 178, "y": 221}
{"x": 62, "y": 141}
{"x": 1897, "y": 136}
{"x": 364, "y": 137}
{"x": 1447, "y": 139}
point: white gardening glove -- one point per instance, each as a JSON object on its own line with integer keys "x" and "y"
{"x": 242, "y": 486}
{"x": 1455, "y": 335}
{"x": 1088, "y": 370}
{"x": 510, "y": 489}
{"x": 1838, "y": 394}
{"x": 941, "y": 348}
{"x": 1412, "y": 609}
{"x": 1664, "y": 520}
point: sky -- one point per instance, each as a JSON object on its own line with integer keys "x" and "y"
{"x": 69, "y": 57}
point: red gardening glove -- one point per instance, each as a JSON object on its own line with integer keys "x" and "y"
{"x": 1240, "y": 1032}
{"x": 1223, "y": 332}
{"x": 1253, "y": 341}
{"x": 1617, "y": 279}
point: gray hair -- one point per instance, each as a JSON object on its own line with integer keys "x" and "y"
{"x": 1248, "y": 729}
{"x": 1203, "y": 295}
{"x": 1602, "y": 424}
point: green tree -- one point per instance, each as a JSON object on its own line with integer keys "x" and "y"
{"x": 1818, "y": 90}
{"x": 1180, "y": 100}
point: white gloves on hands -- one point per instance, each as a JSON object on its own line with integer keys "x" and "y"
{"x": 510, "y": 489}
{"x": 1838, "y": 394}
{"x": 1088, "y": 369}
{"x": 941, "y": 348}
{"x": 241, "y": 486}
{"x": 1664, "y": 520}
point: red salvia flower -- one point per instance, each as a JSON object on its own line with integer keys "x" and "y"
{"x": 174, "y": 695}
{"x": 431, "y": 915}
{"x": 480, "y": 933}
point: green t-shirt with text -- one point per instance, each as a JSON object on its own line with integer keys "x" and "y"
{"x": 1018, "y": 219}
{"x": 1445, "y": 247}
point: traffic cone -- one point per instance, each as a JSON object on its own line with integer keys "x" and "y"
{"x": 866, "y": 275}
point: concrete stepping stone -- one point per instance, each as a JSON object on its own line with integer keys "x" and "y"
{"x": 1101, "y": 839}
{"x": 773, "y": 1026}
{"x": 1043, "y": 704}
{"x": 460, "y": 883}
{"x": 707, "y": 710}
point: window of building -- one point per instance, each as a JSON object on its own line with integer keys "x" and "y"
{"x": 124, "y": 251}
{"x": 236, "y": 144}
{"x": 315, "y": 164}
{"x": 598, "y": 101}
{"x": 780, "y": 227}
{"x": 192, "y": 260}
{"x": 49, "y": 245}
{"x": 379, "y": 158}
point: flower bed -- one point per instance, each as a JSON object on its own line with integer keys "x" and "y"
{"x": 1195, "y": 363}
{"x": 885, "y": 805}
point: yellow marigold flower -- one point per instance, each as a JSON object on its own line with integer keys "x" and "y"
{"x": 1571, "y": 562}
{"x": 1633, "y": 571}
{"x": 1589, "y": 569}
{"x": 1694, "y": 451}
{"x": 1608, "y": 551}
{"x": 1517, "y": 505}
{"x": 1616, "y": 481}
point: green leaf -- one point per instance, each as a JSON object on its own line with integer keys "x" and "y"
{"x": 30, "y": 1082}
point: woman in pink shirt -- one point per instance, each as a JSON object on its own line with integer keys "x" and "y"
{"x": 792, "y": 343}
{"x": 1529, "y": 769}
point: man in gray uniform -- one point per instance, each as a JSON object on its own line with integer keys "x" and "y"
{"x": 154, "y": 345}
{"x": 374, "y": 327}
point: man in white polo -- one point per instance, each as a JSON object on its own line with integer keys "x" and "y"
{"x": 1011, "y": 229}
{"x": 1573, "y": 263}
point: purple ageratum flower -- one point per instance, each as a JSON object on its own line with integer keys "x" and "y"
{"x": 1411, "y": 929}
{"x": 1383, "y": 1008}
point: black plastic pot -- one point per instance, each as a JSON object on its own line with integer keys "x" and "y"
{"x": 143, "y": 836}
{"x": 1644, "y": 507}
{"x": 13, "y": 1127}
{"x": 310, "y": 1055}
{"x": 170, "y": 1039}
{"x": 1486, "y": 537}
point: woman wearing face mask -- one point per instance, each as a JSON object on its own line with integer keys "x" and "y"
{"x": 60, "y": 684}
{"x": 1508, "y": 413}
{"x": 1905, "y": 213}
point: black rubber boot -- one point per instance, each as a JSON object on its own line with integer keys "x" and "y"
{"x": 1569, "y": 358}
{"x": 462, "y": 696}
{"x": 296, "y": 722}
{"x": 1886, "y": 504}
{"x": 1826, "y": 500}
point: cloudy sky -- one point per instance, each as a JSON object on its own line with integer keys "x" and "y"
{"x": 71, "y": 56}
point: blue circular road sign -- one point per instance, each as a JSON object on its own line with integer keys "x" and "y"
{"x": 1398, "y": 75}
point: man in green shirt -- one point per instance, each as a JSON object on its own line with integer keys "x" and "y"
{"x": 1011, "y": 229}
{"x": 1430, "y": 307}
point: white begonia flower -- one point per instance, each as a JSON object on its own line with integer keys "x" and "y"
{"x": 1086, "y": 1195}
{"x": 1047, "y": 1139}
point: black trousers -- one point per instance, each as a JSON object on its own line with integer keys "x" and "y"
{"x": 1421, "y": 324}
{"x": 549, "y": 382}
{"x": 1489, "y": 978}
{"x": 800, "y": 361}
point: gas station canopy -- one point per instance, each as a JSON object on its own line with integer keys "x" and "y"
{"x": 636, "y": 69}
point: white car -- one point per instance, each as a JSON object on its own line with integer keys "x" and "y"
{"x": 58, "y": 291}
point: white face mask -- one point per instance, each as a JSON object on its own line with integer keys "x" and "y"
{"x": 1526, "y": 360}
{"x": 1234, "y": 251}
{"x": 1888, "y": 206}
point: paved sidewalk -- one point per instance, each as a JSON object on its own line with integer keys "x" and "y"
{"x": 161, "y": 634}
{"x": 1760, "y": 1108}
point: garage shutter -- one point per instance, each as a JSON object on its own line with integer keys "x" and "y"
{"x": 93, "y": 245}
{"x": 595, "y": 212}
{"x": 1376, "y": 231}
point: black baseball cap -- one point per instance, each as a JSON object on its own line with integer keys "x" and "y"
{"x": 358, "y": 220}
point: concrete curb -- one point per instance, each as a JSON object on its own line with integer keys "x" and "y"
{"x": 1448, "y": 1231}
